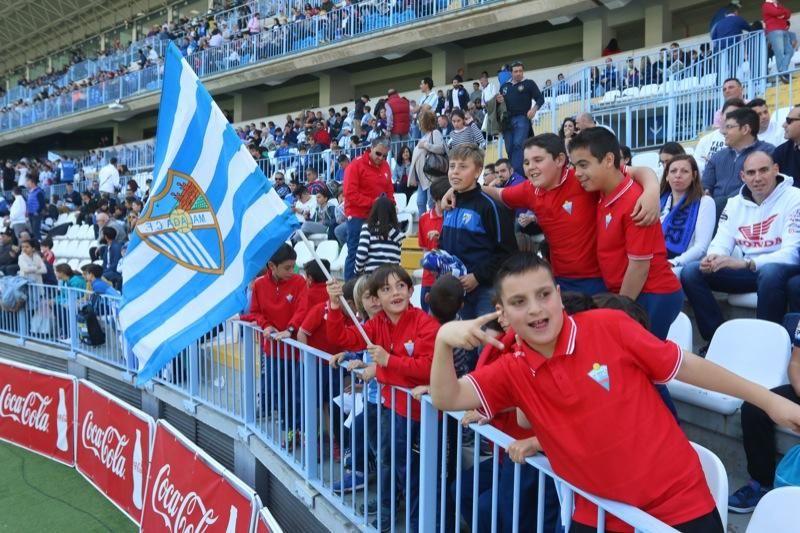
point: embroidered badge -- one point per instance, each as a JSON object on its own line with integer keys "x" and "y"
{"x": 289, "y": 297}
{"x": 409, "y": 345}
{"x": 466, "y": 217}
{"x": 599, "y": 373}
{"x": 608, "y": 219}
{"x": 567, "y": 207}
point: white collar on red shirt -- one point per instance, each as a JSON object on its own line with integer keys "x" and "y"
{"x": 564, "y": 175}
{"x": 617, "y": 193}
{"x": 565, "y": 344}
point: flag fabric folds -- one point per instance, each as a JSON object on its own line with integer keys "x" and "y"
{"x": 211, "y": 223}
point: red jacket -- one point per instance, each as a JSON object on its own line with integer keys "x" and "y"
{"x": 274, "y": 302}
{"x": 315, "y": 294}
{"x": 363, "y": 183}
{"x": 401, "y": 114}
{"x": 776, "y": 17}
{"x": 410, "y": 346}
{"x": 322, "y": 137}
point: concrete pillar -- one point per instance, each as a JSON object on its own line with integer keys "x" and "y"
{"x": 128, "y": 131}
{"x": 335, "y": 87}
{"x": 445, "y": 62}
{"x": 244, "y": 463}
{"x": 49, "y": 64}
{"x": 595, "y": 37}
{"x": 27, "y": 73}
{"x": 76, "y": 369}
{"x": 134, "y": 33}
{"x": 248, "y": 105}
{"x": 210, "y": 4}
{"x": 657, "y": 23}
{"x": 102, "y": 41}
{"x": 169, "y": 14}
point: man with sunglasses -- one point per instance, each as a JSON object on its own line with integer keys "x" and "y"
{"x": 365, "y": 179}
{"x": 787, "y": 155}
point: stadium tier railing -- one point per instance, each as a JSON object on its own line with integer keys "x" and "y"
{"x": 339, "y": 24}
{"x": 324, "y": 422}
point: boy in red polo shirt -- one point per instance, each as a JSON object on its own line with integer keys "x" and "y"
{"x": 585, "y": 385}
{"x": 430, "y": 230}
{"x": 633, "y": 259}
{"x": 566, "y": 213}
{"x": 402, "y": 348}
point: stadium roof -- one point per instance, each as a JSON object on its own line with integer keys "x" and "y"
{"x": 32, "y": 29}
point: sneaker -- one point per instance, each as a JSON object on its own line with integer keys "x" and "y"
{"x": 387, "y": 527}
{"x": 746, "y": 498}
{"x": 371, "y": 510}
{"x": 351, "y": 481}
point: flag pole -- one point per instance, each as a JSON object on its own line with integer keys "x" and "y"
{"x": 328, "y": 275}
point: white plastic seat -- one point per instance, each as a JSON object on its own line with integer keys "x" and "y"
{"x": 75, "y": 264}
{"x": 412, "y": 208}
{"x": 754, "y": 349}
{"x": 338, "y": 265}
{"x": 401, "y": 201}
{"x": 609, "y": 97}
{"x": 717, "y": 480}
{"x": 709, "y": 80}
{"x": 416, "y": 296}
{"x": 631, "y": 92}
{"x": 328, "y": 250}
{"x": 304, "y": 255}
{"x": 680, "y": 332}
{"x": 688, "y": 84}
{"x": 777, "y": 511}
{"x": 648, "y": 90}
{"x": 562, "y": 99}
{"x": 646, "y": 159}
{"x": 749, "y": 300}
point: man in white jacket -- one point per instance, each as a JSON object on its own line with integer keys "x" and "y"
{"x": 755, "y": 249}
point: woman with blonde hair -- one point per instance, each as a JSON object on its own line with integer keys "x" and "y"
{"x": 432, "y": 142}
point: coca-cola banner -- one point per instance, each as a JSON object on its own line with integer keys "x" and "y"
{"x": 188, "y": 492}
{"x": 113, "y": 447}
{"x": 266, "y": 522}
{"x": 37, "y": 410}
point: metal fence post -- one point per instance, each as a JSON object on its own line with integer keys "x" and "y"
{"x": 194, "y": 370}
{"x": 311, "y": 445}
{"x": 428, "y": 451}
{"x": 72, "y": 320}
{"x": 249, "y": 376}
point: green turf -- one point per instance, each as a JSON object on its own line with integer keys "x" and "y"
{"x": 39, "y": 495}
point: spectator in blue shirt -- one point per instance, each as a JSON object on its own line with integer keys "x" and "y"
{"x": 111, "y": 256}
{"x": 729, "y": 29}
{"x": 93, "y": 274}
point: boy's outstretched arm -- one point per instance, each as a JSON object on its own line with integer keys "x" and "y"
{"x": 447, "y": 391}
{"x": 702, "y": 373}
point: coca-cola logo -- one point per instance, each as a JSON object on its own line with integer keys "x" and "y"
{"x": 184, "y": 513}
{"x": 107, "y": 444}
{"x": 29, "y": 410}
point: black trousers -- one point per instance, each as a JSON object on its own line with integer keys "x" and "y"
{"x": 709, "y": 523}
{"x": 758, "y": 432}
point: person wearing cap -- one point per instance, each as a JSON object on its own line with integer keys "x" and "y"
{"x": 523, "y": 99}
{"x": 457, "y": 96}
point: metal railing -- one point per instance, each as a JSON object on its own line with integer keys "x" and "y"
{"x": 368, "y": 458}
{"x": 339, "y": 24}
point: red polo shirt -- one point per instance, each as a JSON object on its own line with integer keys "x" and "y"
{"x": 567, "y": 216}
{"x": 599, "y": 418}
{"x": 619, "y": 240}
{"x": 410, "y": 346}
{"x": 429, "y": 221}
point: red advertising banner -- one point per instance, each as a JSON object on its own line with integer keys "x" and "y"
{"x": 266, "y": 523}
{"x": 188, "y": 492}
{"x": 113, "y": 447}
{"x": 37, "y": 410}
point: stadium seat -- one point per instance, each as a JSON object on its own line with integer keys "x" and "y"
{"x": 646, "y": 159}
{"x": 328, "y": 250}
{"x": 401, "y": 201}
{"x": 709, "y": 80}
{"x": 338, "y": 265}
{"x": 609, "y": 97}
{"x": 777, "y": 511}
{"x": 562, "y": 99}
{"x": 416, "y": 296}
{"x": 412, "y": 208}
{"x": 631, "y": 92}
{"x": 688, "y": 84}
{"x": 304, "y": 255}
{"x": 754, "y": 349}
{"x": 717, "y": 480}
{"x": 74, "y": 264}
{"x": 680, "y": 332}
{"x": 748, "y": 300}
{"x": 648, "y": 90}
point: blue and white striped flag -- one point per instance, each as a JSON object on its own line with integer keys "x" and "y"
{"x": 211, "y": 223}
